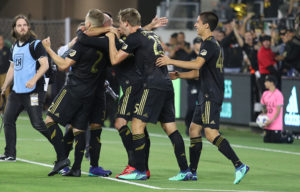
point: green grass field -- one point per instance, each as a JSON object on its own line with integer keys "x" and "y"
{"x": 273, "y": 167}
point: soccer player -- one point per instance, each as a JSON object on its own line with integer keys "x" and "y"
{"x": 131, "y": 82}
{"x": 209, "y": 68}
{"x": 96, "y": 117}
{"x": 28, "y": 90}
{"x": 155, "y": 99}
{"x": 73, "y": 103}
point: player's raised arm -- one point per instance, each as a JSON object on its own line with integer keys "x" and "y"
{"x": 156, "y": 23}
{"x": 62, "y": 64}
{"x": 115, "y": 55}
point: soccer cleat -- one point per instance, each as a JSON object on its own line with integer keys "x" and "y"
{"x": 58, "y": 166}
{"x": 135, "y": 175}
{"x": 64, "y": 170}
{"x": 148, "y": 174}
{"x": 7, "y": 158}
{"x": 194, "y": 177}
{"x": 99, "y": 171}
{"x": 127, "y": 170}
{"x": 240, "y": 172}
{"x": 73, "y": 173}
{"x": 182, "y": 176}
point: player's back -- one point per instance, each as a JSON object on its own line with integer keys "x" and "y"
{"x": 85, "y": 73}
{"x": 146, "y": 47}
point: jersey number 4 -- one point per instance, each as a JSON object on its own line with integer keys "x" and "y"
{"x": 220, "y": 62}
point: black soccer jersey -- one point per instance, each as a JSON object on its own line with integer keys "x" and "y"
{"x": 127, "y": 72}
{"x": 146, "y": 47}
{"x": 84, "y": 75}
{"x": 211, "y": 78}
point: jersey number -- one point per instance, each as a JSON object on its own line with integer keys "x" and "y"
{"x": 157, "y": 47}
{"x": 220, "y": 62}
{"x": 95, "y": 65}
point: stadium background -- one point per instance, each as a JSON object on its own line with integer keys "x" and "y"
{"x": 60, "y": 18}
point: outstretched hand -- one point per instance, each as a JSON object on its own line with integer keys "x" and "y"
{"x": 163, "y": 60}
{"x": 159, "y": 22}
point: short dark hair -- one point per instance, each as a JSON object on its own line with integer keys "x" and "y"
{"x": 181, "y": 33}
{"x": 271, "y": 78}
{"x": 131, "y": 15}
{"x": 174, "y": 35}
{"x": 211, "y": 18}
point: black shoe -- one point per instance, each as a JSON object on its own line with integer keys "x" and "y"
{"x": 7, "y": 158}
{"x": 73, "y": 173}
{"x": 59, "y": 165}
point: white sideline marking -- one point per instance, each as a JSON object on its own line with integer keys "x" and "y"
{"x": 140, "y": 184}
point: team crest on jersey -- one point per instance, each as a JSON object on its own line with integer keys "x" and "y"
{"x": 203, "y": 52}
{"x": 124, "y": 46}
{"x": 18, "y": 61}
{"x": 72, "y": 53}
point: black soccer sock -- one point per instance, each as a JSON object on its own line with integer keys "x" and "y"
{"x": 147, "y": 148}
{"x": 195, "y": 152}
{"x": 68, "y": 141}
{"x": 126, "y": 137}
{"x": 56, "y": 139}
{"x": 79, "y": 138}
{"x": 139, "y": 142}
{"x": 225, "y": 148}
{"x": 179, "y": 150}
{"x": 95, "y": 146}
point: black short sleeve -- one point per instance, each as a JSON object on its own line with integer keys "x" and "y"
{"x": 74, "y": 52}
{"x": 40, "y": 50}
{"x": 131, "y": 43}
{"x": 11, "y": 53}
{"x": 207, "y": 50}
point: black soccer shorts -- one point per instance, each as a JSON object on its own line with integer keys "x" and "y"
{"x": 207, "y": 114}
{"x": 128, "y": 101}
{"x": 155, "y": 105}
{"x": 66, "y": 109}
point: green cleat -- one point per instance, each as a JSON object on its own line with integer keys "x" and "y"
{"x": 240, "y": 172}
{"x": 182, "y": 176}
{"x": 135, "y": 175}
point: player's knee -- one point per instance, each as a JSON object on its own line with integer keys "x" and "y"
{"x": 195, "y": 130}
{"x": 211, "y": 134}
{"x": 169, "y": 128}
{"x": 119, "y": 123}
{"x": 48, "y": 120}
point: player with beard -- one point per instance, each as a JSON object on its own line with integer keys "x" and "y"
{"x": 130, "y": 80}
{"x": 28, "y": 91}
